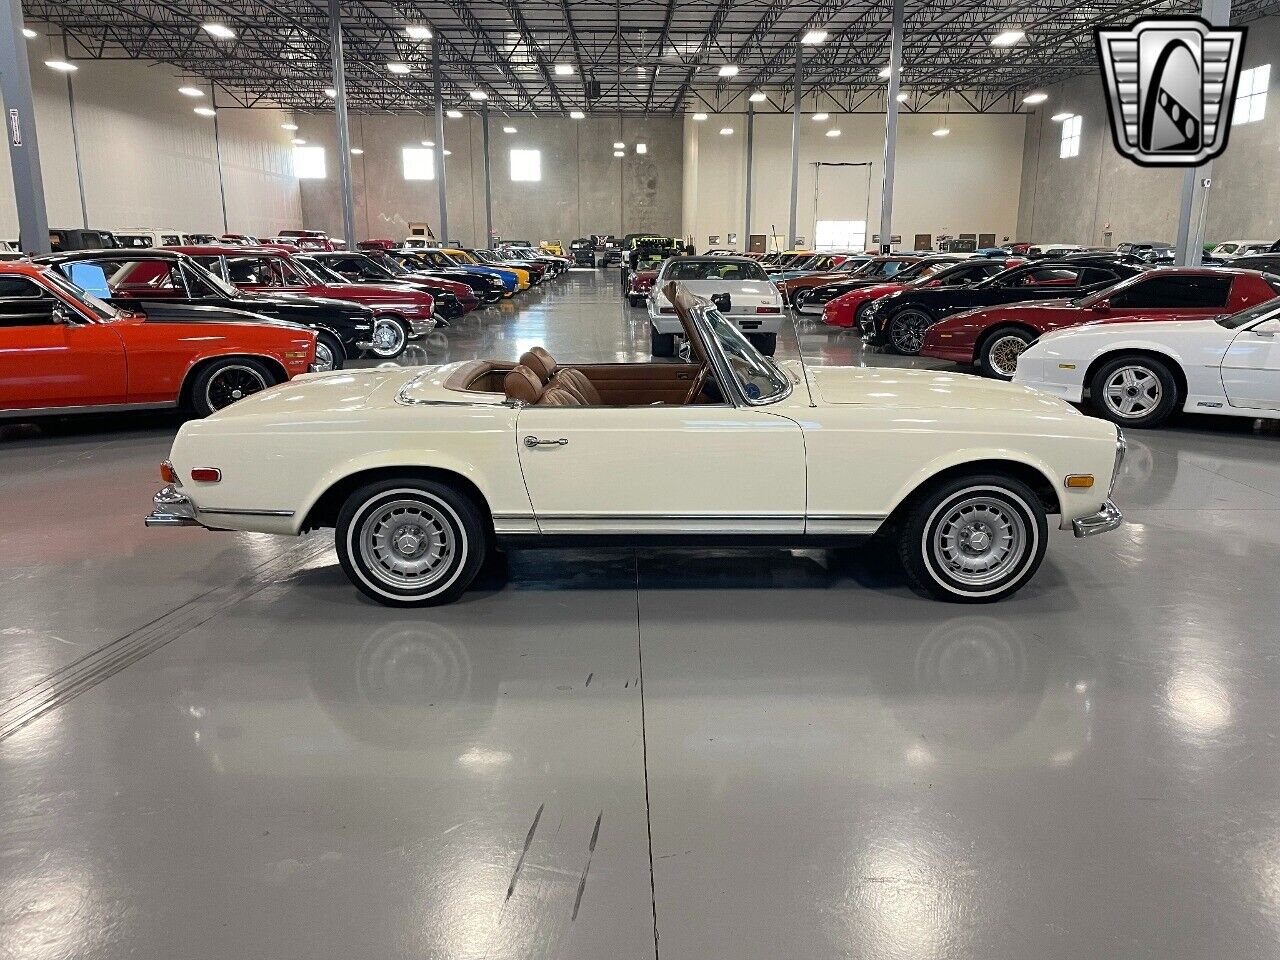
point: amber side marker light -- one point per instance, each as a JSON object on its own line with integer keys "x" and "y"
{"x": 213, "y": 474}
{"x": 1080, "y": 481}
{"x": 167, "y": 473}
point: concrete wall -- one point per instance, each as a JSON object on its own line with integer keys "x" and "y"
{"x": 584, "y": 188}
{"x": 1081, "y": 199}
{"x": 148, "y": 160}
{"x": 967, "y": 182}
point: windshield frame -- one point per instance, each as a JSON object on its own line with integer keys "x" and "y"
{"x": 82, "y": 300}
{"x": 703, "y": 324}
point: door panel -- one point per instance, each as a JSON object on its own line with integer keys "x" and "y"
{"x": 56, "y": 365}
{"x": 663, "y": 470}
{"x": 1251, "y": 368}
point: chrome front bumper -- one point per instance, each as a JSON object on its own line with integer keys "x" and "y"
{"x": 1105, "y": 520}
{"x": 172, "y": 509}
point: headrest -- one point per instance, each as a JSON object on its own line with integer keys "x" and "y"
{"x": 522, "y": 384}
{"x": 540, "y": 362}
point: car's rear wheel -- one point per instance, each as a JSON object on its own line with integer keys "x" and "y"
{"x": 904, "y": 332}
{"x": 998, "y": 355}
{"x": 390, "y": 337}
{"x": 662, "y": 344}
{"x": 636, "y": 301}
{"x": 411, "y": 542}
{"x": 973, "y": 539}
{"x": 1134, "y": 391}
{"x": 227, "y": 380}
{"x": 766, "y": 343}
{"x": 329, "y": 352}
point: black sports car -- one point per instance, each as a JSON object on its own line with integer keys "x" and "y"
{"x": 898, "y": 321}
{"x": 138, "y": 278}
{"x": 886, "y": 269}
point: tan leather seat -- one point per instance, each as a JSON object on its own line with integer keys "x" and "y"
{"x": 553, "y": 375}
{"x": 556, "y": 397}
{"x": 524, "y": 385}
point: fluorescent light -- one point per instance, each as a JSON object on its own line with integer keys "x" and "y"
{"x": 453, "y": 114}
{"x": 1059, "y": 117}
{"x": 833, "y": 133}
{"x": 699, "y": 116}
{"x": 299, "y": 142}
{"x": 356, "y": 151}
{"x": 448, "y": 153}
{"x": 61, "y": 65}
{"x": 478, "y": 95}
{"x": 1007, "y": 38}
{"x": 577, "y": 115}
{"x": 428, "y": 143}
{"x": 508, "y": 129}
{"x": 400, "y": 68}
{"x": 29, "y": 33}
{"x": 206, "y": 111}
{"x": 619, "y": 145}
{"x": 219, "y": 30}
{"x": 729, "y": 70}
{"x": 942, "y": 131}
{"x": 289, "y": 126}
{"x": 619, "y": 153}
{"x": 331, "y": 93}
{"x": 417, "y": 32}
{"x": 726, "y": 131}
{"x": 1037, "y": 97}
{"x": 884, "y": 73}
{"x": 904, "y": 97}
{"x": 814, "y": 37}
{"x": 191, "y": 91}
{"x": 820, "y": 116}
{"x": 758, "y": 97}
{"x": 642, "y": 148}
{"x": 564, "y": 69}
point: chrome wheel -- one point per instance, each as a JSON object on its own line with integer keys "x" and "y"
{"x": 906, "y": 331}
{"x": 1003, "y": 353}
{"x": 231, "y": 383}
{"x": 389, "y": 338}
{"x": 324, "y": 356}
{"x": 408, "y": 543}
{"x": 979, "y": 541}
{"x": 1132, "y": 392}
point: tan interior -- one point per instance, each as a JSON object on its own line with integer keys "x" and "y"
{"x": 615, "y": 384}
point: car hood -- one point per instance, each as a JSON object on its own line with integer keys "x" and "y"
{"x": 1146, "y": 329}
{"x": 920, "y": 389}
{"x": 161, "y": 312}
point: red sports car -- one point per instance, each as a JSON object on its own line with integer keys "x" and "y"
{"x": 400, "y": 313}
{"x": 843, "y": 310}
{"x": 994, "y": 337}
{"x": 62, "y": 350}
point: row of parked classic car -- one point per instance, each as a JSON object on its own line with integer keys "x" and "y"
{"x": 200, "y": 326}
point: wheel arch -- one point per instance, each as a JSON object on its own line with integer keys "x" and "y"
{"x": 1034, "y": 475}
{"x": 199, "y": 366}
{"x": 1000, "y": 327}
{"x": 1168, "y": 359}
{"x": 323, "y": 511}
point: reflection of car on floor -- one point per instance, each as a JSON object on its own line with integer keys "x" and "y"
{"x": 730, "y": 448}
{"x": 1140, "y": 374}
{"x": 62, "y": 350}
{"x": 993, "y": 338}
{"x": 738, "y": 286}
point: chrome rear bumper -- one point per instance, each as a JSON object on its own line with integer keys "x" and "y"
{"x": 172, "y": 509}
{"x": 1105, "y": 520}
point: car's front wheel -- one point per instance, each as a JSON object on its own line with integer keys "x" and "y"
{"x": 390, "y": 337}
{"x": 662, "y": 344}
{"x": 411, "y": 543}
{"x": 329, "y": 352}
{"x": 973, "y": 539}
{"x": 904, "y": 333}
{"x": 227, "y": 380}
{"x": 998, "y": 355}
{"x": 1134, "y": 391}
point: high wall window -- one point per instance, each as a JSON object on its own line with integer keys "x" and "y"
{"x": 419, "y": 163}
{"x": 840, "y": 235}
{"x": 1251, "y": 95}
{"x": 1070, "y": 137}
{"x": 526, "y": 164}
{"x": 308, "y": 163}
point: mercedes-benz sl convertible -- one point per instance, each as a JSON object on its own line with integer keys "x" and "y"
{"x": 422, "y": 472}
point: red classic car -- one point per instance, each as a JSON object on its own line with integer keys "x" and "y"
{"x": 400, "y": 313}
{"x": 994, "y": 337}
{"x": 62, "y": 350}
{"x": 843, "y": 310}
{"x": 639, "y": 284}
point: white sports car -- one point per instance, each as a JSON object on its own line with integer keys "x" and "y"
{"x": 424, "y": 471}
{"x": 738, "y": 286}
{"x": 1138, "y": 374}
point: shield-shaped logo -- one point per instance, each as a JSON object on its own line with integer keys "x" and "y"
{"x": 1171, "y": 87}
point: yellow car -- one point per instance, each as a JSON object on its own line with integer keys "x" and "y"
{"x": 522, "y": 276}
{"x": 552, "y": 247}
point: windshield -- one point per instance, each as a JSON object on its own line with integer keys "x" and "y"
{"x": 99, "y": 308}
{"x": 759, "y": 380}
{"x": 717, "y": 269}
{"x": 1256, "y": 312}
{"x": 888, "y": 268}
{"x": 317, "y": 271}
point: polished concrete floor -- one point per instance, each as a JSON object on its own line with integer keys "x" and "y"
{"x": 212, "y": 747}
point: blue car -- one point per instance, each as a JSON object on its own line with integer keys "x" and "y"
{"x": 460, "y": 260}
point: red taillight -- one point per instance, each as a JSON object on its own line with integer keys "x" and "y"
{"x": 167, "y": 473}
{"x": 765, "y": 310}
{"x": 666, "y": 309}
{"x": 206, "y": 474}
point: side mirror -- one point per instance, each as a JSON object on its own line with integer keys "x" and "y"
{"x": 1102, "y": 306}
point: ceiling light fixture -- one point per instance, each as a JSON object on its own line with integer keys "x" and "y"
{"x": 29, "y": 33}
{"x": 191, "y": 91}
{"x": 331, "y": 93}
{"x": 1007, "y": 38}
{"x": 904, "y": 97}
{"x": 577, "y": 115}
{"x": 814, "y": 37}
{"x": 619, "y": 145}
{"x": 942, "y": 131}
{"x": 758, "y": 97}
{"x": 448, "y": 153}
{"x": 833, "y": 133}
{"x": 453, "y": 114}
{"x": 1059, "y": 117}
{"x": 417, "y": 32}
{"x": 619, "y": 153}
{"x": 400, "y": 68}
{"x": 1037, "y": 97}
{"x": 821, "y": 116}
{"x": 642, "y": 148}
{"x": 564, "y": 69}
{"x": 356, "y": 151}
{"x": 699, "y": 116}
{"x": 62, "y": 66}
{"x": 206, "y": 111}
{"x": 508, "y": 129}
{"x": 219, "y": 30}
{"x": 726, "y": 131}
{"x": 729, "y": 70}
{"x": 478, "y": 95}
{"x": 884, "y": 73}
{"x": 289, "y": 126}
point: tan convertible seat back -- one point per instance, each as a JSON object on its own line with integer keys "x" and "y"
{"x": 556, "y": 397}
{"x": 555, "y": 376}
{"x": 522, "y": 384}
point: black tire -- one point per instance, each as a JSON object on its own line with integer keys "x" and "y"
{"x": 999, "y": 351}
{"x": 1151, "y": 393}
{"x": 226, "y": 380}
{"x": 636, "y": 301}
{"x": 394, "y": 347}
{"x": 327, "y": 345}
{"x": 662, "y": 344}
{"x": 766, "y": 343}
{"x": 418, "y": 512}
{"x": 904, "y": 331}
{"x": 798, "y": 300}
{"x": 973, "y": 539}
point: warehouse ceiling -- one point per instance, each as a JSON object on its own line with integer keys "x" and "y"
{"x": 646, "y": 56}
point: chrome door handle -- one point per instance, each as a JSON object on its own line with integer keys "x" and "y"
{"x": 535, "y": 442}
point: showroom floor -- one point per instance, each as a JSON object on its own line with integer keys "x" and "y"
{"x": 212, "y": 747}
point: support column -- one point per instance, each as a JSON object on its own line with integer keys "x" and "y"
{"x": 891, "y": 129}
{"x": 1194, "y": 192}
{"x": 20, "y": 130}
{"x": 75, "y": 143}
{"x": 746, "y": 214}
{"x": 488, "y": 182}
{"x": 217, "y": 156}
{"x": 440, "y": 177}
{"x": 344, "y": 132}
{"x": 795, "y": 147}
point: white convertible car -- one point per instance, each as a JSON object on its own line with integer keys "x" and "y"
{"x": 738, "y": 286}
{"x": 423, "y": 471}
{"x": 1139, "y": 374}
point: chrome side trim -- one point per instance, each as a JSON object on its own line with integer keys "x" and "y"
{"x": 1105, "y": 520}
{"x": 222, "y": 511}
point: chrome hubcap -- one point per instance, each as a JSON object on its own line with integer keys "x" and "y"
{"x": 388, "y": 337}
{"x": 1004, "y": 355}
{"x": 324, "y": 356}
{"x": 979, "y": 541}
{"x": 408, "y": 543}
{"x": 1133, "y": 392}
